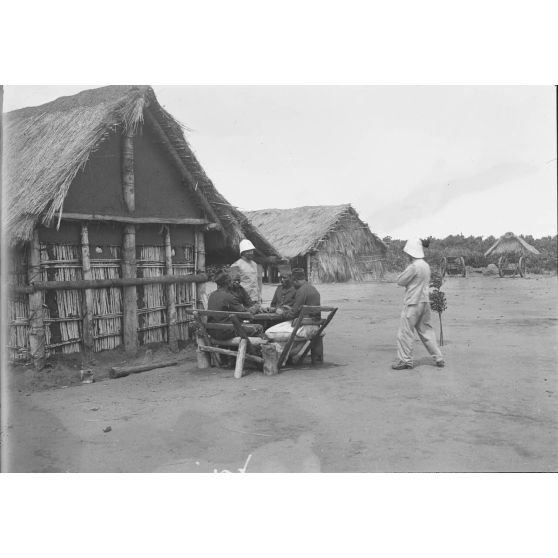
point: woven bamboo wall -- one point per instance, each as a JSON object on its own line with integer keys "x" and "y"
{"x": 63, "y": 309}
{"x": 152, "y": 300}
{"x": 18, "y": 309}
{"x": 185, "y": 292}
{"x": 107, "y": 303}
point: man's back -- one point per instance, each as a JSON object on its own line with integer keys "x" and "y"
{"x": 306, "y": 295}
{"x": 223, "y": 300}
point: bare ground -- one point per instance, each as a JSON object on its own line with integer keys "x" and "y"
{"x": 493, "y": 408}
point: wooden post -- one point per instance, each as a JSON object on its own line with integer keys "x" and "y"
{"x": 128, "y": 186}
{"x": 240, "y": 358}
{"x": 308, "y": 266}
{"x": 171, "y": 295}
{"x": 129, "y": 298}
{"x": 287, "y": 348}
{"x": 200, "y": 243}
{"x": 37, "y": 337}
{"x": 203, "y": 357}
{"x": 87, "y": 300}
{"x": 121, "y": 371}
{"x": 129, "y": 270}
{"x": 317, "y": 349}
{"x": 271, "y": 359}
{"x": 194, "y": 287}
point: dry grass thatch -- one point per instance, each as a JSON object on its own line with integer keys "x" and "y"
{"x": 300, "y": 230}
{"x": 341, "y": 247}
{"x": 510, "y": 243}
{"x": 48, "y": 145}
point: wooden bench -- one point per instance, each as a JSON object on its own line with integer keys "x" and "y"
{"x": 315, "y": 343}
{"x": 242, "y": 346}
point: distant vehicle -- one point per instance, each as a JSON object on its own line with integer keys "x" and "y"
{"x": 508, "y": 265}
{"x": 453, "y": 266}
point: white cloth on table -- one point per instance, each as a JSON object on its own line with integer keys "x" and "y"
{"x": 281, "y": 332}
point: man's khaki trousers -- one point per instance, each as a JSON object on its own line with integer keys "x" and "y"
{"x": 416, "y": 317}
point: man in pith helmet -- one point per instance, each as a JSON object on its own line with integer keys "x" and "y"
{"x": 250, "y": 275}
{"x": 416, "y": 308}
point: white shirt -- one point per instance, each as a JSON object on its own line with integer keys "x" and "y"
{"x": 249, "y": 278}
{"x": 416, "y": 280}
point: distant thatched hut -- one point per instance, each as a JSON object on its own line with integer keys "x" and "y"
{"x": 330, "y": 242}
{"x": 103, "y": 189}
{"x": 510, "y": 243}
{"x": 512, "y": 250}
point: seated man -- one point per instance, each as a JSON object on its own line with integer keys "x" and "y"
{"x": 305, "y": 295}
{"x": 285, "y": 292}
{"x": 223, "y": 300}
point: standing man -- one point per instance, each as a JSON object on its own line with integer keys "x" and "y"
{"x": 240, "y": 292}
{"x": 416, "y": 309}
{"x": 250, "y": 276}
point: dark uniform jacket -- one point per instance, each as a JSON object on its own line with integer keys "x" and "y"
{"x": 223, "y": 300}
{"x": 241, "y": 296}
{"x": 284, "y": 296}
{"x": 305, "y": 295}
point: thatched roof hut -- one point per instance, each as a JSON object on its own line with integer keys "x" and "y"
{"x": 112, "y": 222}
{"x": 331, "y": 242}
{"x": 510, "y": 243}
{"x": 49, "y": 145}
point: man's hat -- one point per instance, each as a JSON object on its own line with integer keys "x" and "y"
{"x": 284, "y": 269}
{"x": 298, "y": 273}
{"x": 414, "y": 248}
{"x": 234, "y": 272}
{"x": 245, "y": 245}
{"x": 221, "y": 278}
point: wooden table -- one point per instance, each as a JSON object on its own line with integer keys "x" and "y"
{"x": 267, "y": 319}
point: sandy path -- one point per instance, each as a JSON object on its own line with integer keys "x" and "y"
{"x": 493, "y": 408}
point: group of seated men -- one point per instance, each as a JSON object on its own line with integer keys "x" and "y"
{"x": 289, "y": 297}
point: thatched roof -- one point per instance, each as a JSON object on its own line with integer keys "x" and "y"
{"x": 48, "y": 145}
{"x": 509, "y": 243}
{"x": 300, "y": 230}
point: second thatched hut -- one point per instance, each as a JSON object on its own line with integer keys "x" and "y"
{"x": 512, "y": 250}
{"x": 329, "y": 241}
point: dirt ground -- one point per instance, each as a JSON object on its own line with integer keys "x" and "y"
{"x": 493, "y": 408}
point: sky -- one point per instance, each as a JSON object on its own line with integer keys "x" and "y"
{"x": 412, "y": 160}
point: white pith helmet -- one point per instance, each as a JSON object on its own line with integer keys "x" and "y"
{"x": 246, "y": 245}
{"x": 414, "y": 248}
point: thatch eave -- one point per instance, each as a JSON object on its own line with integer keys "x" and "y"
{"x": 312, "y": 227}
{"x": 48, "y": 145}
